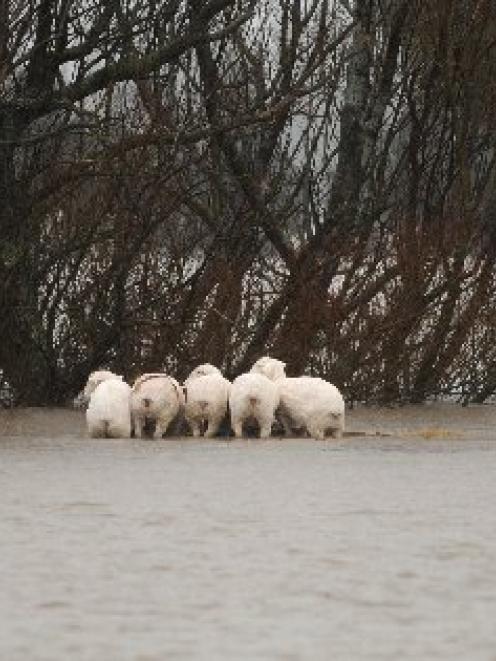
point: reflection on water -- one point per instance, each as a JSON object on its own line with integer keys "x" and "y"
{"x": 365, "y": 548}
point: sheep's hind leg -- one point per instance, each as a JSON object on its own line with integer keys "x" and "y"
{"x": 317, "y": 433}
{"x": 265, "y": 430}
{"x": 138, "y": 427}
{"x": 97, "y": 431}
{"x": 213, "y": 427}
{"x": 237, "y": 426}
{"x": 286, "y": 423}
{"x": 161, "y": 427}
{"x": 119, "y": 430}
{"x": 195, "y": 427}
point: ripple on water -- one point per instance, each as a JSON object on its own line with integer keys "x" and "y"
{"x": 372, "y": 549}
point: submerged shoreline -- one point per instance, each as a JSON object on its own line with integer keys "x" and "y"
{"x": 427, "y": 421}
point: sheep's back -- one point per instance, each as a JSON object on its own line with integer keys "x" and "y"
{"x": 161, "y": 391}
{"x": 212, "y": 388}
{"x": 253, "y": 385}
{"x": 308, "y": 396}
{"x": 110, "y": 400}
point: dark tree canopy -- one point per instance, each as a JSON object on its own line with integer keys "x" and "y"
{"x": 213, "y": 180}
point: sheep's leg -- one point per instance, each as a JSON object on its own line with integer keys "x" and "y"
{"x": 337, "y": 425}
{"x": 317, "y": 433}
{"x": 286, "y": 423}
{"x": 265, "y": 429}
{"x": 193, "y": 424}
{"x": 237, "y": 426}
{"x": 97, "y": 431}
{"x": 161, "y": 427}
{"x": 119, "y": 430}
{"x": 213, "y": 427}
{"x": 195, "y": 428}
{"x": 285, "y": 420}
{"x": 288, "y": 430}
{"x": 138, "y": 427}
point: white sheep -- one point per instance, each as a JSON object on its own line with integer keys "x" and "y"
{"x": 156, "y": 397}
{"x": 109, "y": 409}
{"x": 305, "y": 402}
{"x": 206, "y": 393}
{"x": 253, "y": 397}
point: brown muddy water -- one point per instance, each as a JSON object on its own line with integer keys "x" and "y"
{"x": 381, "y": 545}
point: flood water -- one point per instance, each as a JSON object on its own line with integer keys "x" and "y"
{"x": 371, "y": 547}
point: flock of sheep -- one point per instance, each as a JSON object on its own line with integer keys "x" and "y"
{"x": 303, "y": 404}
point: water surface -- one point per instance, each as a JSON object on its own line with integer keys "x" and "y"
{"x": 373, "y": 547}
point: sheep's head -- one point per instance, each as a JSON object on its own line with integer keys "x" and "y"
{"x": 204, "y": 370}
{"x": 272, "y": 368}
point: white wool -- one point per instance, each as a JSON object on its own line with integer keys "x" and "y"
{"x": 157, "y": 397}
{"x": 206, "y": 401}
{"x": 272, "y": 368}
{"x": 253, "y": 396}
{"x": 94, "y": 380}
{"x": 109, "y": 409}
{"x": 305, "y": 401}
{"x": 311, "y": 403}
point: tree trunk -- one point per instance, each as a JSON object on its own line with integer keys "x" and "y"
{"x": 23, "y": 356}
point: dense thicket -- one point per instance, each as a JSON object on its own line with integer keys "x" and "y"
{"x": 213, "y": 180}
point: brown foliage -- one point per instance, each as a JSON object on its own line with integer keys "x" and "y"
{"x": 213, "y": 181}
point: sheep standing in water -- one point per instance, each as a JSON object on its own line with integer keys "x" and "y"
{"x": 109, "y": 405}
{"x": 157, "y": 398}
{"x": 207, "y": 393}
{"x": 305, "y": 402}
{"x": 253, "y": 397}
